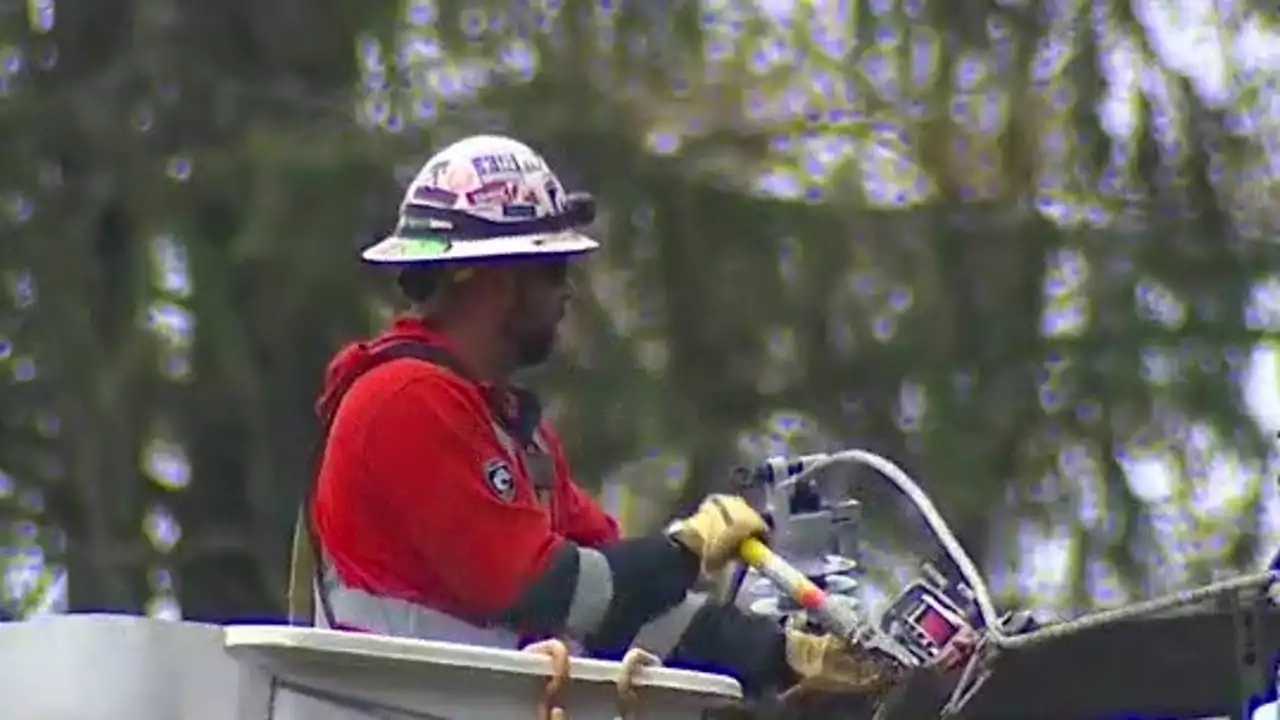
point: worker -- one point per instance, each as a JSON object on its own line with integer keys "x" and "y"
{"x": 444, "y": 507}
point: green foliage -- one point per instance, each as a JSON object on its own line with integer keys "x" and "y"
{"x": 897, "y": 225}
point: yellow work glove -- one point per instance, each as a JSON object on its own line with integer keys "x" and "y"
{"x": 717, "y": 529}
{"x": 827, "y": 664}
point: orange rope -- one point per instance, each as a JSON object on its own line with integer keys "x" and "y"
{"x": 549, "y": 704}
{"x": 632, "y": 663}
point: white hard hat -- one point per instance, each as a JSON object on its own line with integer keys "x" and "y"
{"x": 486, "y": 196}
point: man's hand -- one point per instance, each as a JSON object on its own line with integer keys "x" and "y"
{"x": 716, "y": 531}
{"x": 827, "y": 664}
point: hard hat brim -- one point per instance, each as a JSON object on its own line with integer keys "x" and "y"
{"x": 398, "y": 250}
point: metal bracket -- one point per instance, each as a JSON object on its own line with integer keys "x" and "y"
{"x": 977, "y": 670}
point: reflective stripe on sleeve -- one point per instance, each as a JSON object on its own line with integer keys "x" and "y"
{"x": 354, "y": 608}
{"x": 592, "y": 594}
{"x": 662, "y": 634}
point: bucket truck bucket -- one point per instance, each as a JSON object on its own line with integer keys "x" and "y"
{"x": 104, "y": 667}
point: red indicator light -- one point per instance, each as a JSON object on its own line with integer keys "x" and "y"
{"x": 937, "y": 627}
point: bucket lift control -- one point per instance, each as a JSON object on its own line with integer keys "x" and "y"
{"x": 816, "y": 546}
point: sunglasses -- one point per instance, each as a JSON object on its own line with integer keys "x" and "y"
{"x": 553, "y": 272}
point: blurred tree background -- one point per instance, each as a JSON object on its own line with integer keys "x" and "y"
{"x": 1024, "y": 248}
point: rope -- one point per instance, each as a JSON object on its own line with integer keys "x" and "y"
{"x": 1256, "y": 581}
{"x": 632, "y": 663}
{"x": 548, "y": 707}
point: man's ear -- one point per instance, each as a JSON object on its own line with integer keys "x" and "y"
{"x": 496, "y": 282}
{"x": 483, "y": 277}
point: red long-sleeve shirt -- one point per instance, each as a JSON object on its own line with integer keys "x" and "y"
{"x": 406, "y": 502}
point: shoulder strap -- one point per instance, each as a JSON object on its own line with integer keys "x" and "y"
{"x": 306, "y": 568}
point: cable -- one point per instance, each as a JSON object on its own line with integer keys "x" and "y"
{"x": 937, "y": 525}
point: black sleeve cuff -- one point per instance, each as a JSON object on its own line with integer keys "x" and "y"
{"x": 603, "y": 597}
{"x": 650, "y": 576}
{"x": 751, "y": 649}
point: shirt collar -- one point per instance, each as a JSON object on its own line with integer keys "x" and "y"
{"x": 521, "y": 407}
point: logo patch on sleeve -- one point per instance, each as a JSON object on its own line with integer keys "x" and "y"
{"x": 500, "y": 480}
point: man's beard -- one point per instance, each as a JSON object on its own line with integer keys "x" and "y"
{"x": 532, "y": 339}
{"x": 534, "y": 346}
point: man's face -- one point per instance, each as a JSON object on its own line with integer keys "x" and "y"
{"x": 538, "y": 292}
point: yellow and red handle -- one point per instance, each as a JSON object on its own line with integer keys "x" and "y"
{"x": 835, "y": 617}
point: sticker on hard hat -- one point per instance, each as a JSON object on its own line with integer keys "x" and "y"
{"x": 560, "y": 238}
{"x": 487, "y": 166}
{"x": 434, "y": 171}
{"x": 415, "y": 247}
{"x": 516, "y": 210}
{"x": 502, "y": 193}
{"x": 434, "y": 196}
